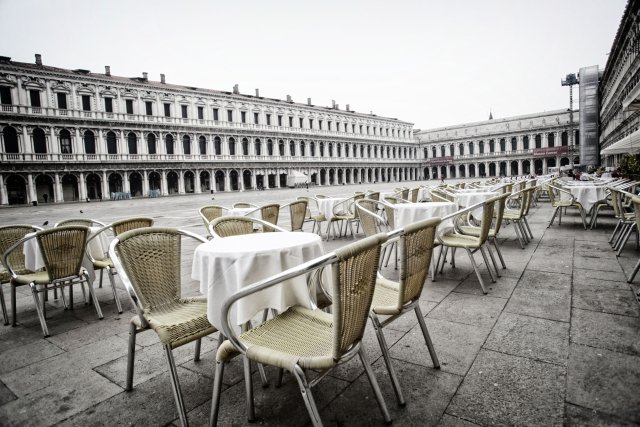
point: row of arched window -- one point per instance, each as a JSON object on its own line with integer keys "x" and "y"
{"x": 271, "y": 147}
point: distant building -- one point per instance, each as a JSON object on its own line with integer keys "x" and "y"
{"x": 512, "y": 146}
{"x": 619, "y": 91}
{"x": 70, "y": 135}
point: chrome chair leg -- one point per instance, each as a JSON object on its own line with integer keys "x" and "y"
{"x": 475, "y": 268}
{"x": 39, "y": 310}
{"x": 493, "y": 259}
{"x": 248, "y": 384}
{"x": 307, "y": 396}
{"x": 634, "y": 272}
{"x": 14, "y": 314}
{"x": 4, "y": 307}
{"x": 131, "y": 355}
{"x": 115, "y": 293}
{"x": 175, "y": 385}
{"x": 387, "y": 358}
{"x": 374, "y": 386}
{"x": 427, "y": 337}
{"x": 94, "y": 298}
{"x": 486, "y": 262}
{"x": 495, "y": 244}
{"x": 196, "y": 357}
{"x": 215, "y": 396}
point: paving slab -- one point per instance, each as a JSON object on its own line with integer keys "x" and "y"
{"x": 532, "y": 337}
{"x": 592, "y": 262}
{"x": 36, "y": 351}
{"x": 510, "y": 390}
{"x": 542, "y": 294}
{"x": 553, "y": 260}
{"x": 578, "y": 416}
{"x": 451, "y": 421}
{"x": 605, "y": 381}
{"x": 605, "y": 296}
{"x": 5, "y": 394}
{"x": 502, "y": 288}
{"x": 604, "y": 330}
{"x": 582, "y": 274}
{"x": 456, "y": 345}
{"x": 469, "y": 309}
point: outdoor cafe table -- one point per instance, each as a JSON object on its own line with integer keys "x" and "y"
{"x": 471, "y": 198}
{"x": 586, "y": 195}
{"x": 225, "y": 265}
{"x": 240, "y": 211}
{"x": 408, "y": 213}
{"x": 326, "y": 205}
{"x": 97, "y": 248}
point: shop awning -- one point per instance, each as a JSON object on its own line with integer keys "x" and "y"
{"x": 629, "y": 144}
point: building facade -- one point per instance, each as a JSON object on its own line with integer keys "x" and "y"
{"x": 619, "y": 91}
{"x": 521, "y": 145}
{"x": 70, "y": 135}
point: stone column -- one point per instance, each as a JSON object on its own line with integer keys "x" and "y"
{"x": 180, "y": 182}
{"x": 105, "y": 186}
{"x": 54, "y": 146}
{"x": 145, "y": 183}
{"x": 125, "y": 182}
{"x": 57, "y": 189}
{"x": 82, "y": 187}
{"x": 4, "y": 197}
{"x": 163, "y": 183}
{"x": 31, "y": 189}
{"x": 197, "y": 184}
{"x": 253, "y": 179}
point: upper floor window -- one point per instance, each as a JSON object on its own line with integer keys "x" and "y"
{"x": 62, "y": 100}
{"x": 269, "y": 120}
{"x": 243, "y": 116}
{"x": 148, "y": 105}
{"x": 215, "y": 114}
{"x": 40, "y": 141}
{"x": 514, "y": 144}
{"x": 10, "y": 140}
{"x": 301, "y": 122}
{"x": 108, "y": 105}
{"x": 229, "y": 115}
{"x": 65, "y": 142}
{"x": 279, "y": 120}
{"x": 290, "y": 121}
{"x": 86, "y": 102}
{"x": 112, "y": 143}
{"x": 200, "y": 113}
{"x": 310, "y": 123}
{"x": 360, "y": 128}
{"x": 329, "y": 125}
{"x": 320, "y": 124}
{"x": 167, "y": 110}
{"x": 132, "y": 142}
{"x": 368, "y": 130}
{"x": 185, "y": 111}
{"x": 186, "y": 144}
{"x": 89, "y": 142}
{"x": 35, "y": 98}
{"x": 129, "y": 103}
{"x": 353, "y": 128}
{"x": 5, "y": 95}
{"x": 256, "y": 118}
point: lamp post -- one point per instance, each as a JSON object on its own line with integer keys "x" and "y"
{"x": 570, "y": 80}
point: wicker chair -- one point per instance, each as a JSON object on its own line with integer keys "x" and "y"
{"x": 81, "y": 221}
{"x": 413, "y": 195}
{"x": 226, "y": 226}
{"x": 627, "y": 220}
{"x": 456, "y": 240}
{"x": 303, "y": 339}
{"x": 211, "y": 212}
{"x": 313, "y": 214}
{"x": 149, "y": 261}
{"x": 345, "y": 213}
{"x": 372, "y": 223}
{"x": 636, "y": 210}
{"x": 297, "y": 213}
{"x": 104, "y": 262}
{"x": 9, "y": 235}
{"x": 269, "y": 213}
{"x": 515, "y": 216}
{"x": 393, "y": 299}
{"x": 557, "y": 202}
{"x": 62, "y": 249}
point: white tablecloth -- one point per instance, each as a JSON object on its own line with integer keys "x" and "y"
{"x": 326, "y": 205}
{"x": 587, "y": 195}
{"x": 471, "y": 198}
{"x": 408, "y": 213}
{"x": 241, "y": 211}
{"x": 97, "y": 248}
{"x": 225, "y": 265}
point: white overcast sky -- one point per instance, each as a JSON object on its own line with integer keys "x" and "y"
{"x": 432, "y": 63}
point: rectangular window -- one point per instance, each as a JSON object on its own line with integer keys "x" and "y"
{"x": 243, "y": 116}
{"x": 148, "y": 105}
{"x": 268, "y": 119}
{"x": 368, "y": 130}
{"x": 215, "y": 114}
{"x": 290, "y": 121}
{"x": 86, "y": 102}
{"x": 301, "y": 122}
{"x": 310, "y": 123}
{"x": 256, "y": 118}
{"x": 62, "y": 101}
{"x": 229, "y": 115}
{"x": 353, "y": 128}
{"x": 129, "y": 106}
{"x": 5, "y": 95}
{"x": 185, "y": 111}
{"x": 200, "y": 113}
{"x": 167, "y": 110}
{"x": 35, "y": 98}
{"x": 279, "y": 120}
{"x": 329, "y": 125}
{"x": 360, "y": 129}
{"x": 320, "y": 124}
{"x": 108, "y": 105}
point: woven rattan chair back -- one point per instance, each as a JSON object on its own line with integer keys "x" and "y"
{"x": 242, "y": 205}
{"x": 62, "y": 250}
{"x": 211, "y": 212}
{"x": 9, "y": 235}
{"x": 369, "y": 220}
{"x": 416, "y": 249}
{"x": 79, "y": 221}
{"x": 231, "y": 226}
{"x": 404, "y": 194}
{"x": 352, "y": 206}
{"x": 128, "y": 224}
{"x": 438, "y": 196}
{"x": 270, "y": 213}
{"x": 413, "y": 195}
{"x": 390, "y": 213}
{"x": 498, "y": 212}
{"x": 374, "y": 195}
{"x": 487, "y": 218}
{"x": 151, "y": 260}
{"x": 354, "y": 279}
{"x": 298, "y": 213}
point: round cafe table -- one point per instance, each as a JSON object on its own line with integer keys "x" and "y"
{"x": 225, "y": 265}
{"x": 408, "y": 213}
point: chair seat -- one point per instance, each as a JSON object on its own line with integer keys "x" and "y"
{"x": 39, "y": 278}
{"x": 180, "y": 322}
{"x": 460, "y": 241}
{"x": 511, "y": 215}
{"x": 298, "y": 336}
{"x": 386, "y": 297}
{"x": 102, "y": 263}
{"x": 475, "y": 231}
{"x": 318, "y": 218}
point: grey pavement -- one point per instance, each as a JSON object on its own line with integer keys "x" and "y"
{"x": 556, "y": 341}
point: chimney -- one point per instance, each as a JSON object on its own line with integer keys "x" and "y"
{"x": 162, "y": 80}
{"x": 289, "y": 98}
{"x": 236, "y": 89}
{"x": 348, "y": 107}
{"x": 337, "y": 107}
{"x": 308, "y": 101}
{"x": 145, "y": 76}
{"x": 38, "y": 59}
{"x": 107, "y": 70}
{"x": 333, "y": 104}
{"x": 258, "y": 93}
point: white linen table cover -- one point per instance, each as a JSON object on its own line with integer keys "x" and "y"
{"x": 469, "y": 199}
{"x": 225, "y": 265}
{"x": 587, "y": 195}
{"x": 240, "y": 211}
{"x": 408, "y": 213}
{"x": 326, "y": 205}
{"x": 97, "y": 248}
